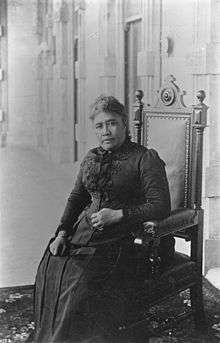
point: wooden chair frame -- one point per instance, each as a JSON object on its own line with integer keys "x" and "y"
{"x": 185, "y": 222}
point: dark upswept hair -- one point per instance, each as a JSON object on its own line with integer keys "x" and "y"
{"x": 108, "y": 104}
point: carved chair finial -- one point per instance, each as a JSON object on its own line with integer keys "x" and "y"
{"x": 200, "y": 109}
{"x": 139, "y": 94}
{"x": 201, "y": 96}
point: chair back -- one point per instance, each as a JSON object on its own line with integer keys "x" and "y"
{"x": 176, "y": 132}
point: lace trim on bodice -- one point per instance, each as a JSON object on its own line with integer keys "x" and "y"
{"x": 100, "y": 165}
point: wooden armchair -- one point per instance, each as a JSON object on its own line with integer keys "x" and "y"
{"x": 176, "y": 132}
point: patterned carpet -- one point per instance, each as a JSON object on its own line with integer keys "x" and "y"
{"x": 17, "y": 322}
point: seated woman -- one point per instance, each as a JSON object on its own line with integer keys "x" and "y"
{"x": 119, "y": 186}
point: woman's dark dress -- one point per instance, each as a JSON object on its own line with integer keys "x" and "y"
{"x": 90, "y": 280}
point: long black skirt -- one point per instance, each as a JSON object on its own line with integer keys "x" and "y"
{"x": 83, "y": 294}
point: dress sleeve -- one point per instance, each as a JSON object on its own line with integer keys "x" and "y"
{"x": 154, "y": 185}
{"x": 78, "y": 199}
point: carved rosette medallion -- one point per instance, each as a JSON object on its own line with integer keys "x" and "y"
{"x": 167, "y": 96}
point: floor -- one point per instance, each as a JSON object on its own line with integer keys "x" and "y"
{"x": 162, "y": 323}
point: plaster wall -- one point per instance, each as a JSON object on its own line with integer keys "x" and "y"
{"x": 190, "y": 51}
{"x": 3, "y": 74}
{"x": 92, "y": 62}
{"x": 22, "y": 91}
{"x": 55, "y": 129}
{"x": 177, "y": 43}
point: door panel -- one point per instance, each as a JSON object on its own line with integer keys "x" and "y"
{"x": 132, "y": 47}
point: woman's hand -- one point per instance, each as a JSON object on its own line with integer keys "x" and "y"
{"x": 106, "y": 217}
{"x": 58, "y": 246}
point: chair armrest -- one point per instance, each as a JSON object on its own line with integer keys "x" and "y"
{"x": 179, "y": 219}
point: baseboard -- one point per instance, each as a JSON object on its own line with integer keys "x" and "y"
{"x": 17, "y": 288}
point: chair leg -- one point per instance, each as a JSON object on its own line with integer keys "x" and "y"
{"x": 196, "y": 296}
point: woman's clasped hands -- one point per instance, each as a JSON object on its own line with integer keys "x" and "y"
{"x": 105, "y": 217}
{"x": 100, "y": 219}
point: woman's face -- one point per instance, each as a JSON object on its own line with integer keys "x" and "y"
{"x": 110, "y": 130}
